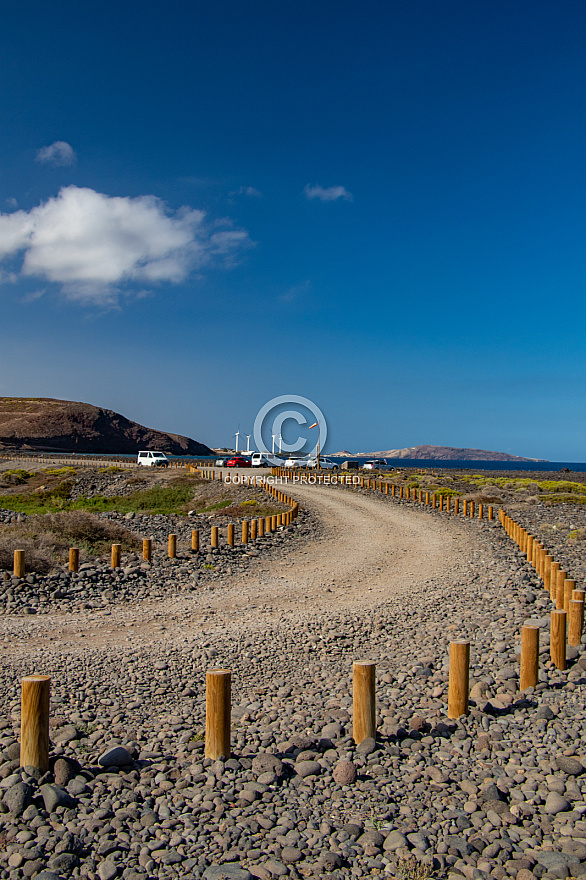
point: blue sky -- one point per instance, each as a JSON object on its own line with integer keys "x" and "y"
{"x": 380, "y": 207}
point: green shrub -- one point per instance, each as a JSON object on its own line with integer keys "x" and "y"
{"x": 158, "y": 499}
{"x": 18, "y": 475}
{"x": 219, "y": 505}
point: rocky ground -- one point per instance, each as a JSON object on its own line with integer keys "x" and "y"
{"x": 500, "y": 793}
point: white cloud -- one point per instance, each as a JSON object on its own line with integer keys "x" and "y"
{"x": 11, "y": 202}
{"x": 249, "y": 191}
{"x": 93, "y": 244}
{"x": 59, "y": 153}
{"x": 331, "y": 194}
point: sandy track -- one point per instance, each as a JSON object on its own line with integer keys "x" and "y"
{"x": 369, "y": 550}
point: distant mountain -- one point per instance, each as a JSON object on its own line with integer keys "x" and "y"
{"x": 439, "y": 453}
{"x": 48, "y": 425}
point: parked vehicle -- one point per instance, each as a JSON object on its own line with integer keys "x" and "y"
{"x": 325, "y": 463}
{"x": 295, "y": 461}
{"x": 238, "y": 461}
{"x": 265, "y": 459}
{"x": 376, "y": 464}
{"x": 221, "y": 462}
{"x": 146, "y": 458}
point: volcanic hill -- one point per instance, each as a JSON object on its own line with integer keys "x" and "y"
{"x": 47, "y": 425}
{"x": 440, "y": 453}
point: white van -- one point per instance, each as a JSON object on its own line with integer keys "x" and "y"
{"x": 152, "y": 459}
{"x": 265, "y": 459}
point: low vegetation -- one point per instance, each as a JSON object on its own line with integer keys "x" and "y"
{"x": 112, "y": 489}
{"x": 490, "y": 489}
{"x": 46, "y": 539}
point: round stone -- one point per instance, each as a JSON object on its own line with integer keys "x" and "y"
{"x": 345, "y": 773}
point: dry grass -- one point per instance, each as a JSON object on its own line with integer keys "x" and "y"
{"x": 410, "y": 869}
{"x": 46, "y": 539}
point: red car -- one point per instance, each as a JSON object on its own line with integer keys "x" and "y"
{"x": 238, "y": 461}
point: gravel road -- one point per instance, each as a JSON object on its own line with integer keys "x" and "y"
{"x": 497, "y": 794}
{"x": 363, "y": 552}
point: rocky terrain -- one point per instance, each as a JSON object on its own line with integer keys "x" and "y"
{"x": 500, "y": 793}
{"x": 44, "y": 424}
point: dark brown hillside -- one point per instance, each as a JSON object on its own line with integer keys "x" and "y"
{"x": 47, "y": 425}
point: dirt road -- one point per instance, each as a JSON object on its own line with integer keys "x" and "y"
{"x": 367, "y": 551}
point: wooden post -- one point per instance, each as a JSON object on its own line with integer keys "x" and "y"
{"x": 569, "y": 585}
{"x": 529, "y": 657}
{"x": 218, "y": 708}
{"x": 575, "y": 622}
{"x": 230, "y": 534}
{"x": 214, "y": 536}
{"x": 530, "y": 540}
{"x": 448, "y": 503}
{"x": 172, "y": 546}
{"x": 480, "y": 511}
{"x": 434, "y": 501}
{"x": 195, "y": 540}
{"x": 116, "y": 555}
{"x": 394, "y": 491}
{"x": 74, "y": 559}
{"x": 491, "y": 513}
{"x": 558, "y": 638}
{"x": 553, "y": 580}
{"x": 253, "y": 529}
{"x": 441, "y": 502}
{"x": 465, "y": 507}
{"x": 364, "y": 718}
{"x": 245, "y": 531}
{"x": 34, "y": 722}
{"x": 274, "y": 523}
{"x": 18, "y": 568}
{"x": 559, "y": 590}
{"x": 471, "y": 509}
{"x": 456, "y": 505}
{"x": 268, "y": 525}
{"x": 524, "y": 539}
{"x": 547, "y": 571}
{"x": 147, "y": 549}
{"x": 459, "y": 677}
